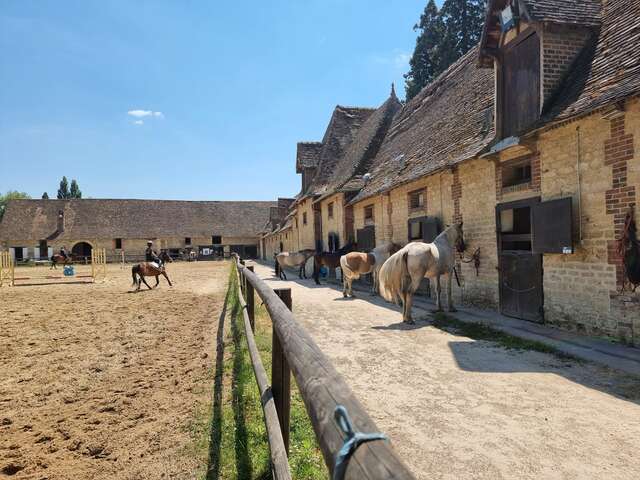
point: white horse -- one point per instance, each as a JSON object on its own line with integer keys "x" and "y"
{"x": 354, "y": 264}
{"x": 293, "y": 259}
{"x": 401, "y": 274}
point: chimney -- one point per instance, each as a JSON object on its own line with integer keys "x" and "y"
{"x": 60, "y": 221}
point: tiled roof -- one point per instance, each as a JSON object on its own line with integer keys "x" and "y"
{"x": 343, "y": 126}
{"x": 449, "y": 121}
{"x": 347, "y": 174}
{"x": 607, "y": 70}
{"x": 91, "y": 218}
{"x": 308, "y": 155}
{"x": 576, "y": 12}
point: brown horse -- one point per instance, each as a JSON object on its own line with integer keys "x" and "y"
{"x": 355, "y": 264}
{"x": 329, "y": 260}
{"x": 149, "y": 269}
{"x": 57, "y": 258}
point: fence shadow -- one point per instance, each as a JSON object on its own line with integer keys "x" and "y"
{"x": 215, "y": 434}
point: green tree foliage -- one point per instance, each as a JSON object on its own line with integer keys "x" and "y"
{"x": 63, "y": 191}
{"x": 45, "y": 196}
{"x": 444, "y": 36}
{"x": 424, "y": 62}
{"x": 10, "y": 195}
{"x": 75, "y": 190}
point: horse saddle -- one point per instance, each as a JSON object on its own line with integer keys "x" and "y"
{"x": 156, "y": 265}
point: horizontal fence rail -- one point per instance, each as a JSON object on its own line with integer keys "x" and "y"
{"x": 323, "y": 391}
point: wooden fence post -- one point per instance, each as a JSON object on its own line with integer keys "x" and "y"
{"x": 281, "y": 375}
{"x": 250, "y": 299}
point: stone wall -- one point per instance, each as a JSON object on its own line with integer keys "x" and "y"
{"x": 336, "y": 223}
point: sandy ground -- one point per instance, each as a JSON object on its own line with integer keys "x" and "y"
{"x": 462, "y": 409}
{"x": 96, "y": 382}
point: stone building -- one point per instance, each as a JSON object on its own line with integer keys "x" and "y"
{"x": 531, "y": 139}
{"x": 34, "y": 229}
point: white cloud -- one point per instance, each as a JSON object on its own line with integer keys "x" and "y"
{"x": 139, "y": 113}
{"x": 396, "y": 59}
{"x": 145, "y": 113}
{"x": 401, "y": 60}
{"x": 138, "y": 122}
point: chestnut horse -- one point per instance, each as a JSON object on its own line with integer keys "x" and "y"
{"x": 354, "y": 264}
{"x": 401, "y": 274}
{"x": 329, "y": 260}
{"x": 150, "y": 269}
{"x": 57, "y": 258}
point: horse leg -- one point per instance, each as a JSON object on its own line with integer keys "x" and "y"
{"x": 157, "y": 281}
{"x": 164, "y": 274}
{"x": 145, "y": 282}
{"x": 449, "y": 296}
{"x": 345, "y": 286}
{"x": 438, "y": 295}
{"x": 407, "y": 308}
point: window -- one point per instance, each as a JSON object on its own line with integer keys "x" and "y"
{"x": 187, "y": 240}
{"x": 368, "y": 214}
{"x": 118, "y": 243}
{"x": 216, "y": 239}
{"x": 416, "y": 200}
{"x": 516, "y": 173}
{"x": 415, "y": 231}
{"x": 304, "y": 218}
{"x": 330, "y": 210}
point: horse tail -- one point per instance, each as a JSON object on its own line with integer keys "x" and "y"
{"x": 134, "y": 271}
{"x": 394, "y": 278}
{"x": 344, "y": 266}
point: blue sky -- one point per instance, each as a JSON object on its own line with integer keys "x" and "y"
{"x": 222, "y": 90}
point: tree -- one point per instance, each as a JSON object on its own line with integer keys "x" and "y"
{"x": 424, "y": 62}
{"x": 63, "y": 191}
{"x": 45, "y": 196}
{"x": 444, "y": 37}
{"x": 75, "y": 190}
{"x": 463, "y": 20}
{"x": 10, "y": 195}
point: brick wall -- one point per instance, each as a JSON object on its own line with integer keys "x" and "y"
{"x": 304, "y": 236}
{"x": 335, "y": 224}
{"x": 559, "y": 49}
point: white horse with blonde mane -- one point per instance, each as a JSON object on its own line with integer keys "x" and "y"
{"x": 355, "y": 264}
{"x": 401, "y": 274}
{"x": 293, "y": 259}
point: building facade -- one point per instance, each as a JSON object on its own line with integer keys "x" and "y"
{"x": 35, "y": 229}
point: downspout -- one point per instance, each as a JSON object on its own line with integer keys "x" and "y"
{"x": 579, "y": 192}
{"x": 389, "y": 213}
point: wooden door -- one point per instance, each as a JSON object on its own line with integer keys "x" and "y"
{"x": 366, "y": 239}
{"x": 349, "y": 236}
{"x": 520, "y": 84}
{"x": 520, "y": 269}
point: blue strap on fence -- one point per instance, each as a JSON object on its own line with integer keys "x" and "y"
{"x": 352, "y": 441}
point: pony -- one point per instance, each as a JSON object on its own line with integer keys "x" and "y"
{"x": 293, "y": 259}
{"x": 329, "y": 260}
{"x": 401, "y": 274}
{"x": 57, "y": 258}
{"x": 354, "y": 264}
{"x": 149, "y": 269}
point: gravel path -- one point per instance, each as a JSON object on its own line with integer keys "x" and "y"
{"x": 456, "y": 408}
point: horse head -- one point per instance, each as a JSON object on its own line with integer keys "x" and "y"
{"x": 165, "y": 257}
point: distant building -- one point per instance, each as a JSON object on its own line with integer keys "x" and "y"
{"x": 34, "y": 229}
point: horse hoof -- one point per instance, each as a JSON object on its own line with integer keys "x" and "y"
{"x": 453, "y": 310}
{"x": 409, "y": 322}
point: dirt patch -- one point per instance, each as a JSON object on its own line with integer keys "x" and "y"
{"x": 101, "y": 383}
{"x": 458, "y": 408}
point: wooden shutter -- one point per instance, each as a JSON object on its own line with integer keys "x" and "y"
{"x": 366, "y": 239}
{"x": 553, "y": 226}
{"x": 430, "y": 228}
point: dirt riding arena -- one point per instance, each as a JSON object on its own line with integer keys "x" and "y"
{"x": 100, "y": 383}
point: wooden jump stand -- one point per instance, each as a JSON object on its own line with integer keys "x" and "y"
{"x": 98, "y": 269}
{"x": 7, "y": 269}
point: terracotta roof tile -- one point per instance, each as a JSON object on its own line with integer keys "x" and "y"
{"x": 449, "y": 121}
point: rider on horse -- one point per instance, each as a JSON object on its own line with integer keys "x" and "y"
{"x": 63, "y": 252}
{"x": 151, "y": 256}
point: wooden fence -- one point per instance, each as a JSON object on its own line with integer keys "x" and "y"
{"x": 6, "y": 268}
{"x": 323, "y": 390}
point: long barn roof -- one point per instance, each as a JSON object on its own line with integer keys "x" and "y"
{"x": 93, "y": 218}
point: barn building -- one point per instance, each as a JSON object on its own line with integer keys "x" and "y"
{"x": 531, "y": 139}
{"x": 34, "y": 229}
